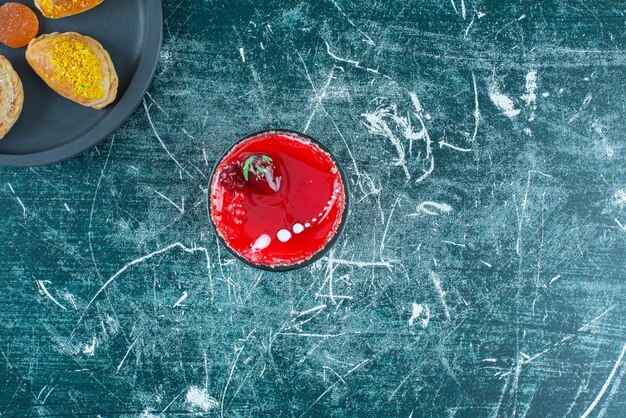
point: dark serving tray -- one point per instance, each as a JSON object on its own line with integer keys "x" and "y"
{"x": 52, "y": 128}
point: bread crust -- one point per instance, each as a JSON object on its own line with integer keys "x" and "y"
{"x": 68, "y": 8}
{"x": 38, "y": 56}
{"x": 11, "y": 96}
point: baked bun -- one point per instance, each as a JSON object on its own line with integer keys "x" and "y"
{"x": 55, "y": 9}
{"x": 11, "y": 96}
{"x": 75, "y": 66}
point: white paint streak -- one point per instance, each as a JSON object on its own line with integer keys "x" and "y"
{"x": 158, "y": 137}
{"x": 304, "y": 334}
{"x": 367, "y": 39}
{"x": 614, "y": 390}
{"x": 586, "y": 102}
{"x": 468, "y": 28}
{"x": 357, "y": 64}
{"x": 620, "y": 198}
{"x": 454, "y": 243}
{"x": 383, "y": 240}
{"x": 588, "y": 325}
{"x": 119, "y": 366}
{"x": 319, "y": 96}
{"x": 476, "y": 109}
{"x": 44, "y": 292}
{"x": 360, "y": 264}
{"x": 441, "y": 292}
{"x": 420, "y": 312}
{"x": 198, "y": 398}
{"x": 426, "y": 207}
{"x": 377, "y": 125}
{"x": 454, "y": 7}
{"x": 309, "y": 311}
{"x": 180, "y": 300}
{"x": 503, "y": 102}
{"x": 19, "y": 201}
{"x": 424, "y": 132}
{"x": 531, "y": 93}
{"x": 155, "y": 103}
{"x": 93, "y": 208}
{"x": 348, "y": 373}
{"x": 443, "y": 143}
{"x": 180, "y": 208}
{"x": 89, "y": 350}
{"x": 606, "y": 385}
{"x": 522, "y": 216}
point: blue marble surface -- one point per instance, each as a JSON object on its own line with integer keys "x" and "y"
{"x": 482, "y": 271}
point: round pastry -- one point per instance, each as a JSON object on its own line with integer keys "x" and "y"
{"x": 75, "y": 66}
{"x": 11, "y": 96}
{"x": 278, "y": 200}
{"x": 55, "y": 9}
{"x": 18, "y": 25}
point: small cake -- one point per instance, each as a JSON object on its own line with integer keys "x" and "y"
{"x": 277, "y": 200}
{"x": 55, "y": 9}
{"x": 18, "y": 25}
{"x": 75, "y": 66}
{"x": 11, "y": 96}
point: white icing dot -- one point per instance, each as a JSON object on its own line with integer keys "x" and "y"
{"x": 298, "y": 228}
{"x": 319, "y": 214}
{"x": 330, "y": 201}
{"x": 307, "y": 225}
{"x": 325, "y": 207}
{"x": 314, "y": 219}
{"x": 283, "y": 235}
{"x": 262, "y": 242}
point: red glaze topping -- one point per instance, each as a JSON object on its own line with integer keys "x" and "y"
{"x": 277, "y": 199}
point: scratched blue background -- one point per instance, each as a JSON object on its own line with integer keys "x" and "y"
{"x": 482, "y": 272}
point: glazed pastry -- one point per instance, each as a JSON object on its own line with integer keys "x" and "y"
{"x": 75, "y": 66}
{"x": 11, "y": 96}
{"x": 55, "y": 9}
{"x": 18, "y": 25}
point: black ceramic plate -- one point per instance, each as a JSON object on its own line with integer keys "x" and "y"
{"x": 333, "y": 240}
{"x": 52, "y": 128}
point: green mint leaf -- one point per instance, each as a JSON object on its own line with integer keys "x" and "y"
{"x": 268, "y": 159}
{"x": 261, "y": 169}
{"x": 246, "y": 167}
